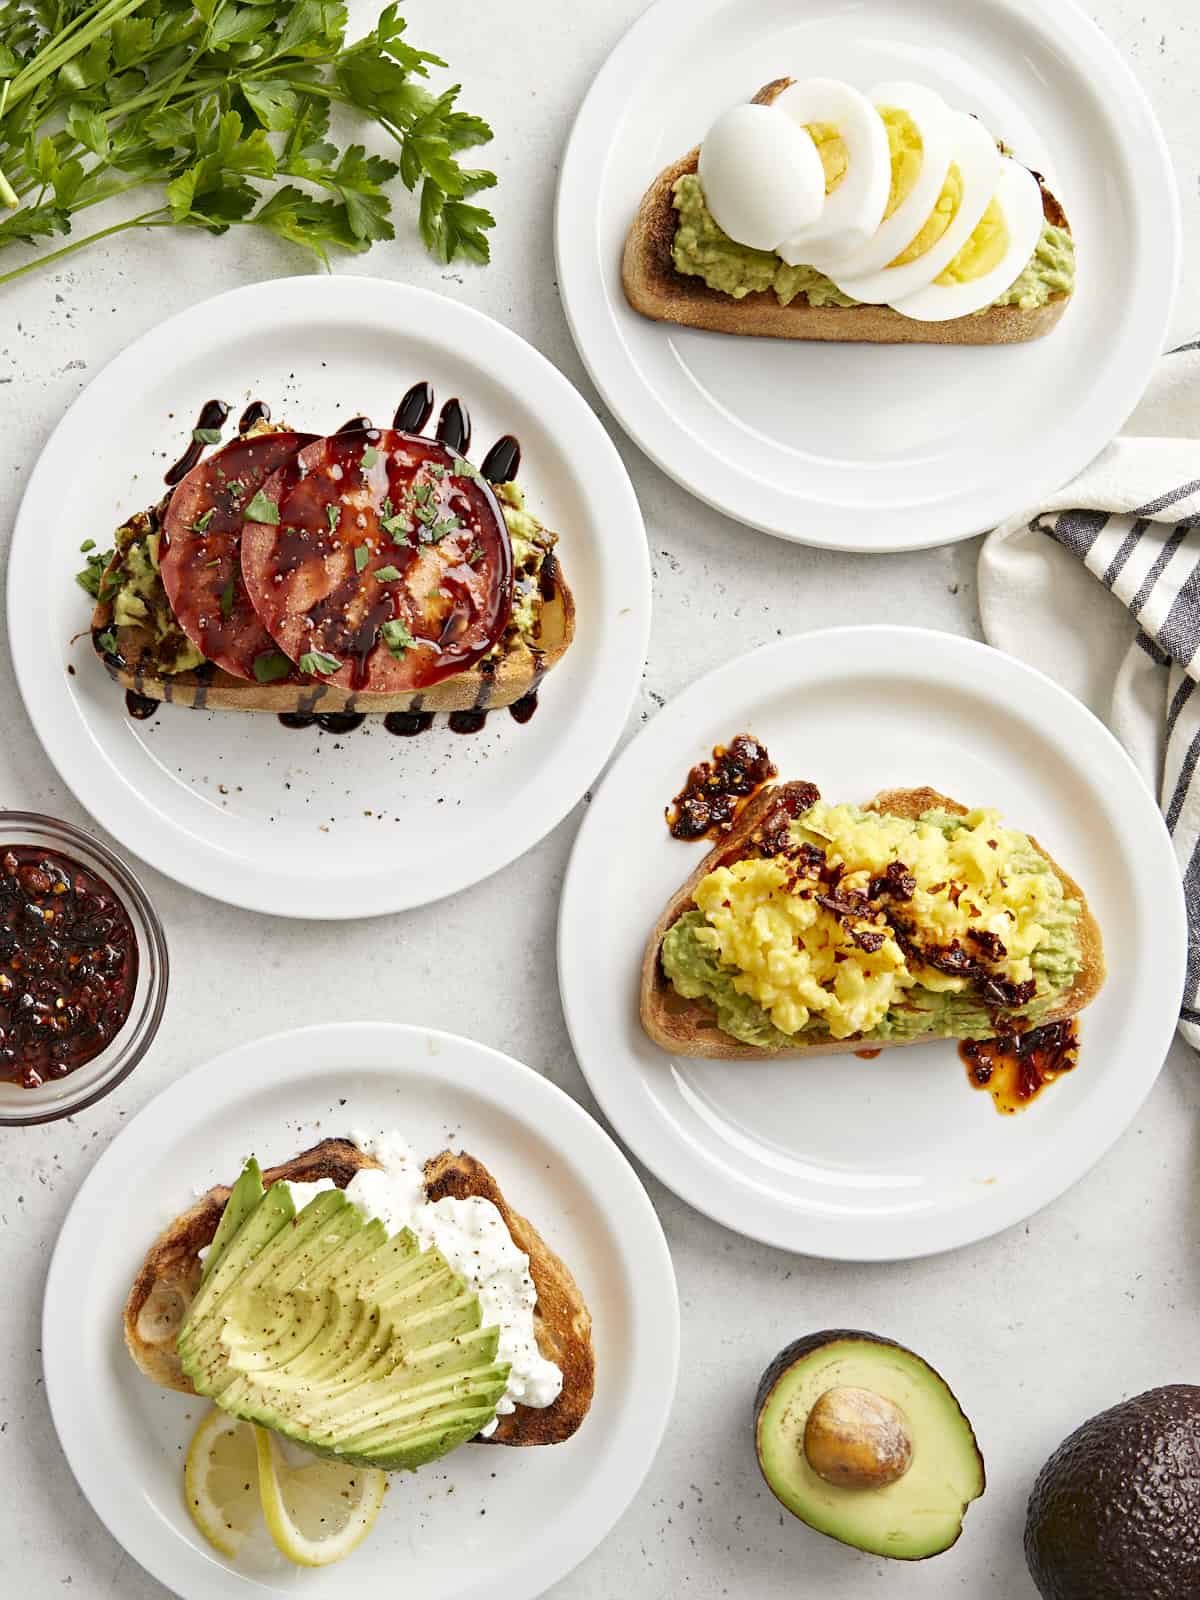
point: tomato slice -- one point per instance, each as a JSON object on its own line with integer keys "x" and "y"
{"x": 389, "y": 566}
{"x": 200, "y": 552}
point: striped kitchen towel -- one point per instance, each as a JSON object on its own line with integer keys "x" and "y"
{"x": 1100, "y": 588}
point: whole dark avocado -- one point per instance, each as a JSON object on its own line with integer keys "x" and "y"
{"x": 1115, "y": 1512}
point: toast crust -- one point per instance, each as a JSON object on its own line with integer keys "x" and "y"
{"x": 653, "y": 287}
{"x": 517, "y": 672}
{"x": 169, "y": 1276}
{"x": 689, "y": 1027}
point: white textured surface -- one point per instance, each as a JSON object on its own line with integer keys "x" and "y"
{"x": 1094, "y": 1299}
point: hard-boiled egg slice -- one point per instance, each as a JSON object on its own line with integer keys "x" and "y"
{"x": 761, "y": 175}
{"x": 920, "y": 130}
{"x": 966, "y": 193}
{"x": 853, "y": 146}
{"x": 994, "y": 256}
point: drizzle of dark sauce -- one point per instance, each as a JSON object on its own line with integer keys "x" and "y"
{"x": 454, "y": 426}
{"x": 407, "y": 724}
{"x": 503, "y": 460}
{"x": 867, "y": 1055}
{"x": 257, "y": 411}
{"x": 521, "y": 710}
{"x": 548, "y": 577}
{"x": 140, "y": 706}
{"x": 340, "y": 721}
{"x": 1014, "y": 1068}
{"x": 467, "y": 721}
{"x": 297, "y": 719}
{"x": 355, "y": 425}
{"x": 415, "y": 410}
{"x": 213, "y": 414}
{"x": 708, "y": 803}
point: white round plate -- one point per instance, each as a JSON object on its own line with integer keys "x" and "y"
{"x": 858, "y": 446}
{"x": 480, "y": 1525}
{"x": 898, "y": 1156}
{"x": 308, "y": 824}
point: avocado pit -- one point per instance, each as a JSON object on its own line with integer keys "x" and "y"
{"x": 857, "y": 1439}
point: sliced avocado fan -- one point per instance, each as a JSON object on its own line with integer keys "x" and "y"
{"x": 354, "y": 1344}
{"x": 243, "y": 1197}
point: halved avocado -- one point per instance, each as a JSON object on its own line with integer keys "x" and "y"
{"x": 1115, "y": 1512}
{"x": 863, "y": 1441}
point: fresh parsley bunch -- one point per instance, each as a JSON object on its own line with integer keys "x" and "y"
{"x": 220, "y": 111}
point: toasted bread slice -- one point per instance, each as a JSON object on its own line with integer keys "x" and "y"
{"x": 489, "y": 684}
{"x": 170, "y": 1275}
{"x": 689, "y": 1027}
{"x": 657, "y": 290}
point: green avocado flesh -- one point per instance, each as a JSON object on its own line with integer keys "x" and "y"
{"x": 703, "y": 250}
{"x": 320, "y": 1327}
{"x": 140, "y": 600}
{"x": 696, "y": 972}
{"x": 918, "y": 1515}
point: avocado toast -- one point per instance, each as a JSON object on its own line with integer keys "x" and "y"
{"x": 657, "y": 288}
{"x": 372, "y": 570}
{"x": 165, "y": 1290}
{"x": 932, "y": 984}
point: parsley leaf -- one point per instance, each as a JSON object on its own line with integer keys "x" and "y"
{"x": 206, "y": 435}
{"x": 261, "y": 509}
{"x": 270, "y": 666}
{"x": 202, "y": 521}
{"x": 396, "y": 526}
{"x": 397, "y": 637}
{"x": 88, "y": 544}
{"x": 362, "y": 554}
{"x": 218, "y": 113}
{"x": 317, "y": 662}
{"x": 333, "y": 515}
{"x": 91, "y": 577}
{"x": 227, "y": 594}
{"x": 387, "y": 574}
{"x": 107, "y": 642}
{"x": 368, "y": 458}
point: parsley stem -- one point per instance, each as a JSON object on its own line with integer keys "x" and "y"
{"x": 148, "y": 219}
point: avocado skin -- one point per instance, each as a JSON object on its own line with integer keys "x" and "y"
{"x": 799, "y": 1348}
{"x": 1115, "y": 1511}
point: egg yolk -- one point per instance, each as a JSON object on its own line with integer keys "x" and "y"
{"x": 983, "y": 251}
{"x": 907, "y": 152}
{"x": 938, "y": 220}
{"x": 831, "y": 148}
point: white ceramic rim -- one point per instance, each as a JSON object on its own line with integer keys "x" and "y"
{"x": 648, "y": 422}
{"x": 646, "y": 1260}
{"x": 749, "y": 1210}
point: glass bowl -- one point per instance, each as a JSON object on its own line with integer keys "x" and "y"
{"x": 62, "y": 1097}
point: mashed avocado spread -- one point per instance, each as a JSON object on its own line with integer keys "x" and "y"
{"x": 702, "y": 250}
{"x": 782, "y": 954}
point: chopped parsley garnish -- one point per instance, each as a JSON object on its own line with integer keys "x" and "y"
{"x": 333, "y": 515}
{"x": 227, "y": 598}
{"x": 397, "y": 637}
{"x": 261, "y": 509}
{"x": 474, "y": 555}
{"x": 214, "y": 563}
{"x": 423, "y": 493}
{"x": 107, "y": 642}
{"x": 426, "y": 514}
{"x": 437, "y": 470}
{"x": 91, "y": 577}
{"x": 206, "y": 435}
{"x": 387, "y": 574}
{"x": 271, "y": 666}
{"x": 317, "y": 662}
{"x": 467, "y": 469}
{"x": 439, "y": 530}
{"x": 397, "y": 526}
{"x": 201, "y": 523}
{"x": 88, "y": 544}
{"x": 369, "y": 457}
{"x": 362, "y": 554}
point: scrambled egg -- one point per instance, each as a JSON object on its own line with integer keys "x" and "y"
{"x": 809, "y": 938}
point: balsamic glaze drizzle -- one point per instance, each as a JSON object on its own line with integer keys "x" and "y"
{"x": 407, "y": 724}
{"x": 415, "y": 410}
{"x": 454, "y": 426}
{"x": 355, "y": 425}
{"x": 257, "y": 411}
{"x": 503, "y": 460}
{"x": 140, "y": 706}
{"x": 213, "y": 414}
{"x": 467, "y": 721}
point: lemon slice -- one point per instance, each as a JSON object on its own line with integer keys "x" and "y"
{"x": 320, "y": 1512}
{"x": 221, "y": 1481}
